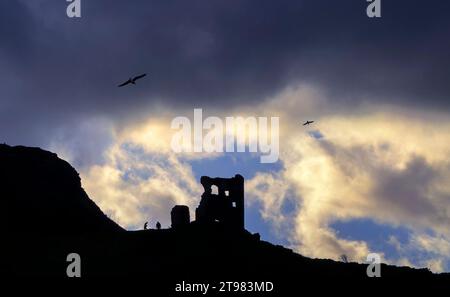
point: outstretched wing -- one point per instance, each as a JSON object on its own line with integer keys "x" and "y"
{"x": 139, "y": 76}
{"x": 125, "y": 83}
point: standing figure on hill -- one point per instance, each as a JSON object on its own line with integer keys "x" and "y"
{"x": 146, "y": 226}
{"x": 158, "y": 225}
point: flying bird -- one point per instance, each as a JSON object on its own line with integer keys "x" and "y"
{"x": 132, "y": 80}
{"x": 308, "y": 123}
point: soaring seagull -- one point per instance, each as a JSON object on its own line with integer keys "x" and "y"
{"x": 308, "y": 123}
{"x": 132, "y": 80}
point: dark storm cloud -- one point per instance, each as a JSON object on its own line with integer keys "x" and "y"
{"x": 213, "y": 53}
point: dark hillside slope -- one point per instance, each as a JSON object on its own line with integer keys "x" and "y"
{"x": 43, "y": 193}
{"x": 47, "y": 215}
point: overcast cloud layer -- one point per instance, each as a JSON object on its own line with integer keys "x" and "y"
{"x": 212, "y": 53}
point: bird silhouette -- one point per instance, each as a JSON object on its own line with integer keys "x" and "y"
{"x": 132, "y": 80}
{"x": 308, "y": 123}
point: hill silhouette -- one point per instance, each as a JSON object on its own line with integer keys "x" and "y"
{"x": 48, "y": 216}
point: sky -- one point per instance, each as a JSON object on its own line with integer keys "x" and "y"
{"x": 371, "y": 174}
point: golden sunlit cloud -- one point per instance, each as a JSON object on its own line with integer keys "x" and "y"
{"x": 390, "y": 166}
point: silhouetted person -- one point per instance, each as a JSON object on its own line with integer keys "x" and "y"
{"x": 158, "y": 225}
{"x": 146, "y": 226}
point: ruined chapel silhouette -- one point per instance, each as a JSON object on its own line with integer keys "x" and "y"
{"x": 226, "y": 206}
